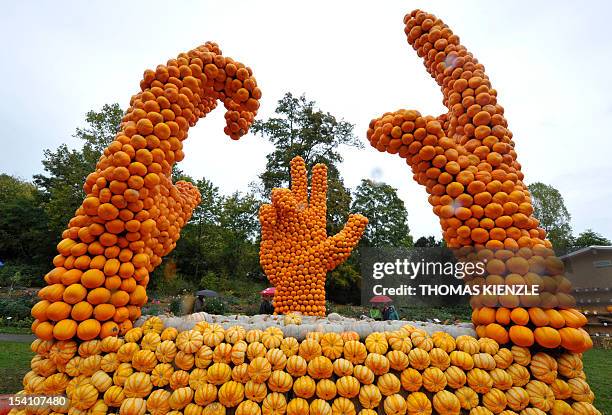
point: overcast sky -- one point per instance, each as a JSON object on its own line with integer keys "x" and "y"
{"x": 550, "y": 62}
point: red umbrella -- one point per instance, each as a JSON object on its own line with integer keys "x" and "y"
{"x": 269, "y": 291}
{"x": 380, "y": 299}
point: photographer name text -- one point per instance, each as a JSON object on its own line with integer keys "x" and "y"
{"x": 442, "y": 289}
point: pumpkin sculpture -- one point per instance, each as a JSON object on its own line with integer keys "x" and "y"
{"x": 133, "y": 213}
{"x": 295, "y": 251}
{"x": 467, "y": 163}
{"x": 466, "y": 160}
{"x": 132, "y": 216}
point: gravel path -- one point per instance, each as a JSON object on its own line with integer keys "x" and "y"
{"x": 17, "y": 338}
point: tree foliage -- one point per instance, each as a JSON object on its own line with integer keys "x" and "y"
{"x": 300, "y": 129}
{"x": 24, "y": 235}
{"x": 428, "y": 242}
{"x": 549, "y": 209}
{"x": 589, "y": 237}
{"x": 66, "y": 169}
{"x": 219, "y": 242}
{"x": 100, "y": 130}
{"x": 386, "y": 213}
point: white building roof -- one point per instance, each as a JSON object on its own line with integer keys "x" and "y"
{"x": 586, "y": 250}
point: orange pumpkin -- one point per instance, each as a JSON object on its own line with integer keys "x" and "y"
{"x": 88, "y": 329}
{"x": 538, "y": 317}
{"x": 547, "y": 337}
{"x": 573, "y": 318}
{"x": 519, "y": 316}
{"x": 63, "y": 330}
{"x": 497, "y": 333}
{"x": 521, "y": 336}
{"x": 57, "y": 311}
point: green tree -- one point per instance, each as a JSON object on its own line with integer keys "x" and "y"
{"x": 301, "y": 129}
{"x": 101, "y": 129}
{"x": 62, "y": 185}
{"x": 66, "y": 169}
{"x": 343, "y": 284}
{"x": 428, "y": 242}
{"x": 549, "y": 209}
{"x": 194, "y": 250}
{"x": 386, "y": 213}
{"x": 338, "y": 201}
{"x": 218, "y": 244}
{"x": 589, "y": 237}
{"x": 239, "y": 215}
{"x": 239, "y": 225}
{"x": 24, "y": 235}
{"x": 26, "y": 245}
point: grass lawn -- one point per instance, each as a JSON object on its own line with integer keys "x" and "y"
{"x": 15, "y": 362}
{"x": 598, "y": 368}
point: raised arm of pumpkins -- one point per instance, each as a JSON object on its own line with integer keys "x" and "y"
{"x": 295, "y": 251}
{"x": 133, "y": 213}
{"x": 466, "y": 160}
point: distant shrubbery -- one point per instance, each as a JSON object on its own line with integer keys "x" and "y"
{"x": 15, "y": 310}
{"x": 13, "y": 275}
{"x": 162, "y": 286}
{"x": 214, "y": 305}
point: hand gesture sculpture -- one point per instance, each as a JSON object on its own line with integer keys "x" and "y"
{"x": 295, "y": 251}
{"x": 466, "y": 160}
{"x": 133, "y": 213}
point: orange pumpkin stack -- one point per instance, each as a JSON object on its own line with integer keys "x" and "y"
{"x": 133, "y": 214}
{"x": 209, "y": 370}
{"x": 467, "y": 163}
{"x": 295, "y": 251}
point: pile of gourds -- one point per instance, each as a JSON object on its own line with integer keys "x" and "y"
{"x": 133, "y": 213}
{"x": 209, "y": 370}
{"x": 295, "y": 251}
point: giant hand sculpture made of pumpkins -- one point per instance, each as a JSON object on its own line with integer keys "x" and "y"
{"x": 466, "y": 160}
{"x": 295, "y": 251}
{"x": 133, "y": 213}
{"x": 88, "y": 350}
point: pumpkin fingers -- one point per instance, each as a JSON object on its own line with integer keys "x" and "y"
{"x": 295, "y": 252}
{"x": 318, "y": 190}
{"x": 188, "y": 193}
{"x": 299, "y": 182}
{"x": 340, "y": 245}
{"x": 285, "y": 205}
{"x": 267, "y": 217}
